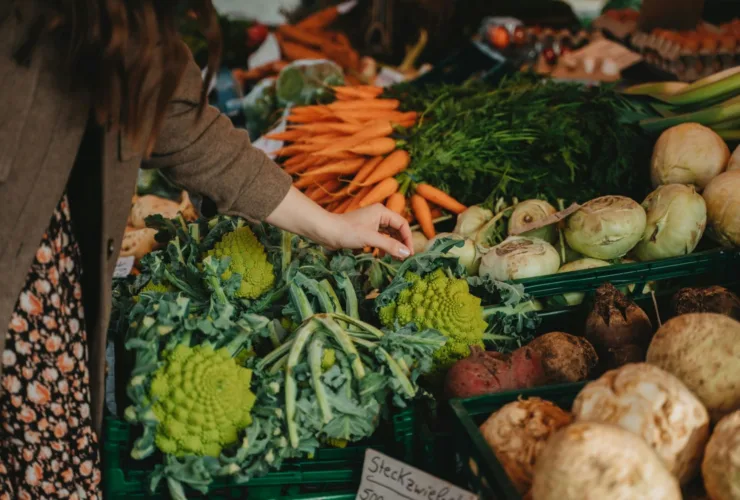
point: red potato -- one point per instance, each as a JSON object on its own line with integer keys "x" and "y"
{"x": 486, "y": 372}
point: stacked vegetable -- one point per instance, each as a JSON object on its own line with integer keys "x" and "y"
{"x": 638, "y": 431}
{"x": 248, "y": 349}
{"x": 343, "y": 157}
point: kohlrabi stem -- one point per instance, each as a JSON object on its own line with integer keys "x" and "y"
{"x": 350, "y": 296}
{"x": 329, "y": 290}
{"x": 359, "y": 324}
{"x": 315, "y": 352}
{"x": 300, "y": 301}
{"x": 345, "y": 342}
{"x": 274, "y": 355}
{"x": 286, "y": 252}
{"x": 291, "y": 385}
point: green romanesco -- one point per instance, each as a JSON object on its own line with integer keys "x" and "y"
{"x": 153, "y": 287}
{"x": 202, "y": 399}
{"x": 248, "y": 258}
{"x": 445, "y": 304}
{"x": 328, "y": 358}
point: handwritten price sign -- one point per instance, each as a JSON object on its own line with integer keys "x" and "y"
{"x": 384, "y": 478}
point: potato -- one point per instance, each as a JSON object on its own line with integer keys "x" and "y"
{"x": 588, "y": 460}
{"x": 703, "y": 351}
{"x": 721, "y": 466}
{"x": 565, "y": 357}
{"x": 654, "y": 405}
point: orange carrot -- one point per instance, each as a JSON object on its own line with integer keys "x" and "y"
{"x": 358, "y": 198}
{"x": 436, "y": 212}
{"x": 342, "y": 155}
{"x": 386, "y": 104}
{"x": 310, "y": 118}
{"x": 364, "y": 173}
{"x": 359, "y": 91}
{"x": 288, "y": 135}
{"x": 345, "y": 167}
{"x": 323, "y": 138}
{"x": 300, "y": 35}
{"x": 423, "y": 215}
{"x": 371, "y": 131}
{"x": 326, "y": 189}
{"x": 293, "y": 51}
{"x": 297, "y": 159}
{"x": 305, "y": 182}
{"x": 366, "y": 115}
{"x": 319, "y": 20}
{"x": 375, "y": 147}
{"x": 331, "y": 207}
{"x": 380, "y": 192}
{"x": 343, "y": 206}
{"x": 439, "y": 197}
{"x": 392, "y": 165}
{"x": 318, "y": 108}
{"x": 396, "y": 202}
{"x": 321, "y": 128}
{"x": 345, "y": 128}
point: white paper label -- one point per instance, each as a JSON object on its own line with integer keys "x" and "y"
{"x": 123, "y": 266}
{"x": 268, "y": 52}
{"x": 384, "y": 478}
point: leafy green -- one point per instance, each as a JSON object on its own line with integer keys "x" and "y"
{"x": 527, "y": 138}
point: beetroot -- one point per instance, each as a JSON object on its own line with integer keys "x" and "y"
{"x": 486, "y": 372}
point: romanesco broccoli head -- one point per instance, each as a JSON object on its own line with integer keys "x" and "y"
{"x": 248, "y": 258}
{"x": 445, "y": 304}
{"x": 153, "y": 287}
{"x": 202, "y": 399}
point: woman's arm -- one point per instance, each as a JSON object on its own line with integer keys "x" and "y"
{"x": 211, "y": 157}
{"x": 357, "y": 229}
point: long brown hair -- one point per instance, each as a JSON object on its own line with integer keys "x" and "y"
{"x": 112, "y": 44}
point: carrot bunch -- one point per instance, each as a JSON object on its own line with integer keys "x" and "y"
{"x": 342, "y": 156}
{"x": 310, "y": 39}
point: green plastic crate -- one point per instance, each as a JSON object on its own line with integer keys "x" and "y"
{"x": 333, "y": 473}
{"x": 478, "y": 469}
{"x": 713, "y": 266}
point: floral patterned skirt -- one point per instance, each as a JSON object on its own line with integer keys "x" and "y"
{"x": 48, "y": 448}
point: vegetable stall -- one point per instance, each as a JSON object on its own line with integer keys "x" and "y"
{"x": 569, "y": 321}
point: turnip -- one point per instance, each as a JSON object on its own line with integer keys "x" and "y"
{"x": 518, "y": 257}
{"x": 721, "y": 466}
{"x": 654, "y": 405}
{"x": 722, "y": 197}
{"x": 703, "y": 351}
{"x": 518, "y": 432}
{"x": 689, "y": 153}
{"x": 589, "y": 460}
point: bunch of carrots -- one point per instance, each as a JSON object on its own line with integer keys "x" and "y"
{"x": 343, "y": 156}
{"x": 310, "y": 39}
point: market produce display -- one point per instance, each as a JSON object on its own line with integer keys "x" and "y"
{"x": 638, "y": 431}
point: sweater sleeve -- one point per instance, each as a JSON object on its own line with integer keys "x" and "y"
{"x": 209, "y": 156}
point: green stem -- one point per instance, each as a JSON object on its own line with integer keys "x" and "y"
{"x": 315, "y": 352}
{"x": 275, "y": 354}
{"x": 291, "y": 385}
{"x": 345, "y": 342}
{"x": 286, "y": 251}
{"x": 350, "y": 296}
{"x": 332, "y": 295}
{"x": 300, "y": 301}
{"x": 376, "y": 332}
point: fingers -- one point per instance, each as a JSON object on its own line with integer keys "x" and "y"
{"x": 388, "y": 245}
{"x": 389, "y": 218}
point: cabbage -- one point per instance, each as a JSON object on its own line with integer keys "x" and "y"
{"x": 519, "y": 257}
{"x": 606, "y": 228}
{"x": 676, "y": 218}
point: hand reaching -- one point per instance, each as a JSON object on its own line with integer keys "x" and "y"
{"x": 362, "y": 228}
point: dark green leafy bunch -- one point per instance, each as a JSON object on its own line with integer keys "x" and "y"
{"x": 527, "y": 138}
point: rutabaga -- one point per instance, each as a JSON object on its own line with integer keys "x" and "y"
{"x": 676, "y": 218}
{"x": 471, "y": 221}
{"x": 722, "y": 197}
{"x": 519, "y": 257}
{"x": 689, "y": 153}
{"x": 606, "y": 228}
{"x": 529, "y": 211}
